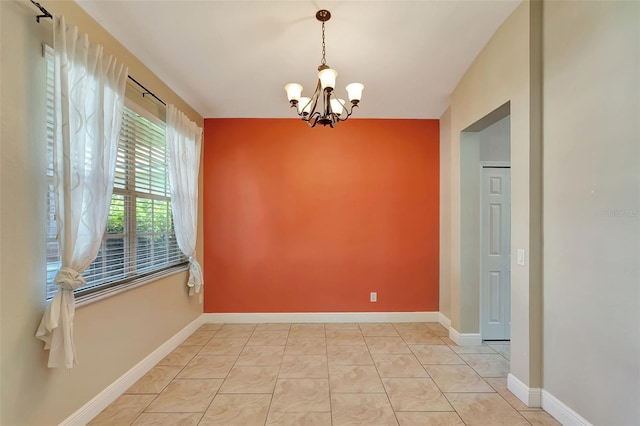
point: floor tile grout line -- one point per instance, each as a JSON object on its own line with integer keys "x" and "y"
{"x": 508, "y": 403}
{"x": 395, "y": 416}
{"x": 445, "y": 396}
{"x": 273, "y": 391}
{"x": 326, "y": 349}
{"x": 225, "y": 378}
{"x": 270, "y": 402}
{"x": 157, "y": 394}
{"x": 171, "y": 381}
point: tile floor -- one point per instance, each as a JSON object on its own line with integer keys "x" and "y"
{"x": 325, "y": 374}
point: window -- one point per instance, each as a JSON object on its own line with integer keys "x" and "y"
{"x": 139, "y": 239}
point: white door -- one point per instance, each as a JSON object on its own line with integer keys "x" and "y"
{"x": 495, "y": 269}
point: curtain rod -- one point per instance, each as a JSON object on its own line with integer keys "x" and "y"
{"x": 147, "y": 91}
{"x": 46, "y": 14}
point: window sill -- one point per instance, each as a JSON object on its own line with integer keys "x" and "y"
{"x": 87, "y": 299}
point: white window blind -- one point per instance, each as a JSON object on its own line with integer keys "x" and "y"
{"x": 139, "y": 239}
{"x": 53, "y": 253}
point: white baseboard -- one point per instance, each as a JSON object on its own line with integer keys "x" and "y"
{"x": 531, "y": 397}
{"x": 324, "y": 317}
{"x": 465, "y": 339}
{"x": 101, "y": 401}
{"x": 444, "y": 321}
{"x": 561, "y": 412}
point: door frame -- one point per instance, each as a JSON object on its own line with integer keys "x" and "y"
{"x": 483, "y": 165}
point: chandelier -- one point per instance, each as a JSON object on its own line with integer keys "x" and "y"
{"x": 324, "y": 107}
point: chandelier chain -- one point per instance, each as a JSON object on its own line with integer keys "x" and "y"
{"x": 324, "y": 62}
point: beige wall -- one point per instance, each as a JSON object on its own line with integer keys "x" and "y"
{"x": 112, "y": 335}
{"x": 503, "y": 72}
{"x": 445, "y": 207}
{"x": 592, "y": 208}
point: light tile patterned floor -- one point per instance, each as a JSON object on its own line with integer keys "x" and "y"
{"x": 325, "y": 374}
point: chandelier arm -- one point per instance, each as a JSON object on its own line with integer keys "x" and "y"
{"x": 314, "y": 99}
{"x": 349, "y": 112}
{"x": 313, "y": 109}
{"x": 317, "y": 117}
{"x": 330, "y": 112}
{"x": 300, "y": 114}
{"x": 346, "y": 112}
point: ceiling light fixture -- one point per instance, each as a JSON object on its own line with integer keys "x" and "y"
{"x": 323, "y": 107}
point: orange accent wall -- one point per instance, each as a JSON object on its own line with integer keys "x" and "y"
{"x": 313, "y": 220}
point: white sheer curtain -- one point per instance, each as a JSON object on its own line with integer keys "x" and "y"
{"x": 89, "y": 98}
{"x": 184, "y": 140}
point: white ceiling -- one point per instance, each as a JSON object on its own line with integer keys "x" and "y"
{"x": 233, "y": 58}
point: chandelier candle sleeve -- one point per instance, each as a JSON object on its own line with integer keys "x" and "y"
{"x": 355, "y": 92}
{"x": 328, "y": 78}
{"x": 324, "y": 107}
{"x": 337, "y": 105}
{"x": 294, "y": 91}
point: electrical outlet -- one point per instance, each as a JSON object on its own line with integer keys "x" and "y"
{"x": 373, "y": 296}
